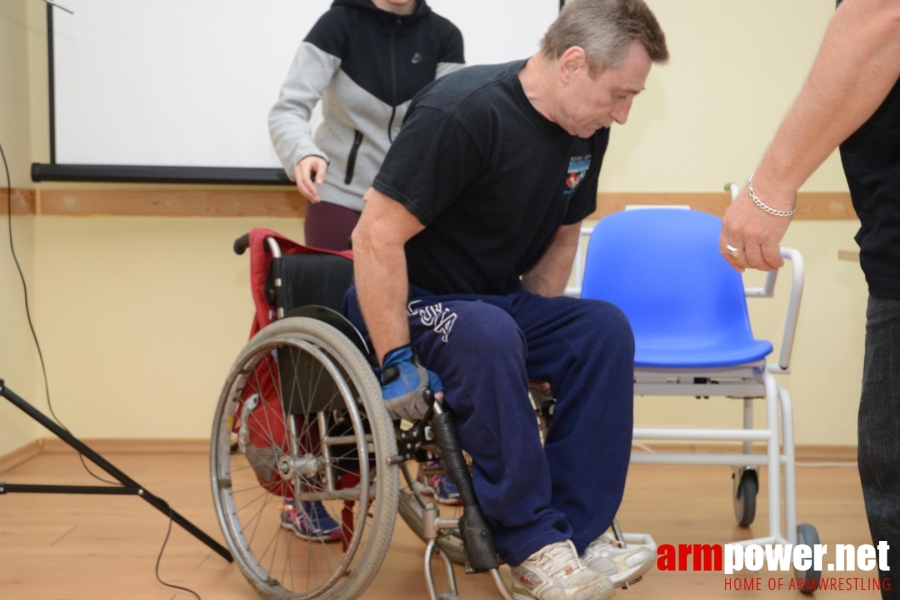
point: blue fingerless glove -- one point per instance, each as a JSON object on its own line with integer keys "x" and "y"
{"x": 407, "y": 387}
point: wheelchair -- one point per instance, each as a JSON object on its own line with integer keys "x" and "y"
{"x": 301, "y": 416}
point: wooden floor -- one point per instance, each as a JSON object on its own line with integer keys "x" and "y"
{"x": 96, "y": 547}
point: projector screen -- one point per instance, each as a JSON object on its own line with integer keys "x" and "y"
{"x": 189, "y": 83}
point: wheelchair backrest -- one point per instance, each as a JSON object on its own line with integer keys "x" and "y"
{"x": 308, "y": 280}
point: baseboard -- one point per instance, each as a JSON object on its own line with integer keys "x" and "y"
{"x": 20, "y": 455}
{"x": 132, "y": 446}
{"x": 802, "y": 453}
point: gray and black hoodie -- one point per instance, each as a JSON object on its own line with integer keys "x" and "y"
{"x": 365, "y": 64}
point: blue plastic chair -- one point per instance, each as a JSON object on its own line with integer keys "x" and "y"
{"x": 688, "y": 311}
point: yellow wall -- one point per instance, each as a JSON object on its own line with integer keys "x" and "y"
{"x": 707, "y": 116}
{"x": 140, "y": 318}
{"x": 146, "y": 317}
{"x": 17, "y": 354}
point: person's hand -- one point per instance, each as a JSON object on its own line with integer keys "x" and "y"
{"x": 750, "y": 236}
{"x": 408, "y": 388}
{"x": 309, "y": 173}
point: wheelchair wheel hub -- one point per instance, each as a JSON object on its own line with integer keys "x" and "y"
{"x": 290, "y": 467}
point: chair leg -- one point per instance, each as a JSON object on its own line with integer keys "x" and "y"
{"x": 790, "y": 485}
{"x": 748, "y": 423}
{"x": 773, "y": 455}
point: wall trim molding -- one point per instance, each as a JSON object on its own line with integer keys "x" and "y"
{"x": 104, "y": 446}
{"x": 172, "y": 203}
{"x": 24, "y": 202}
{"x": 810, "y": 205}
{"x": 287, "y": 203}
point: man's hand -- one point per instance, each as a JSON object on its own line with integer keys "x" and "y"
{"x": 309, "y": 173}
{"x": 408, "y": 388}
{"x": 750, "y": 236}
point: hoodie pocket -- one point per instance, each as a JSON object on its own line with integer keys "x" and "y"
{"x": 351, "y": 160}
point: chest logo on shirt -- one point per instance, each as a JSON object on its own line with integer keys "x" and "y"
{"x": 417, "y": 58}
{"x": 578, "y": 168}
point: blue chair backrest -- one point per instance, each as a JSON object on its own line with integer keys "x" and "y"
{"x": 663, "y": 268}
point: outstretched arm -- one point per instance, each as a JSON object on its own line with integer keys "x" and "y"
{"x": 379, "y": 266}
{"x": 857, "y": 65}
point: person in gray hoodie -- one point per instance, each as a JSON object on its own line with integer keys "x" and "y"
{"x": 365, "y": 60}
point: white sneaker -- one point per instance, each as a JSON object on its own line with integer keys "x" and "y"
{"x": 555, "y": 573}
{"x": 621, "y": 565}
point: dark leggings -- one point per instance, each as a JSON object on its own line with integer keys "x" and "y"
{"x": 328, "y": 226}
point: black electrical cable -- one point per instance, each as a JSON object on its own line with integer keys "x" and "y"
{"x": 37, "y": 344}
{"x": 158, "y": 558}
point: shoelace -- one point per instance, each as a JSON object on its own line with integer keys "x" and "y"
{"x": 559, "y": 558}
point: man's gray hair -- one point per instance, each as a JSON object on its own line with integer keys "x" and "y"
{"x": 605, "y": 29}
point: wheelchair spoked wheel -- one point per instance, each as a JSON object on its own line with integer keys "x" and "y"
{"x": 310, "y": 423}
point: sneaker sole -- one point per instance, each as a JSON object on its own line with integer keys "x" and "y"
{"x": 631, "y": 576}
{"x": 333, "y": 538}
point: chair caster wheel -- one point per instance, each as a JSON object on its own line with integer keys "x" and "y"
{"x": 807, "y": 536}
{"x": 745, "y": 489}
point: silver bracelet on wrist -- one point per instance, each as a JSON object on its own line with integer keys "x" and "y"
{"x": 764, "y": 206}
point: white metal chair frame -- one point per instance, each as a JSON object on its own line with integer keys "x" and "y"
{"x": 748, "y": 382}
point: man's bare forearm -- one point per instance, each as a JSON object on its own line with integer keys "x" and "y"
{"x": 549, "y": 276}
{"x": 382, "y": 288}
{"x": 857, "y": 65}
{"x": 379, "y": 267}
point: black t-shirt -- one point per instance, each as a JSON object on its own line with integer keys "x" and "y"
{"x": 491, "y": 179}
{"x": 871, "y": 159}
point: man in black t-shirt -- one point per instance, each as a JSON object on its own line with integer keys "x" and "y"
{"x": 852, "y": 98}
{"x": 461, "y": 256}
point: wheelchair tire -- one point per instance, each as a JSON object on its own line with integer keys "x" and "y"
{"x": 810, "y": 578}
{"x": 334, "y": 451}
{"x": 744, "y": 498}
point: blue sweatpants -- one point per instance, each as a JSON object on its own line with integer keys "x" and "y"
{"x": 485, "y": 349}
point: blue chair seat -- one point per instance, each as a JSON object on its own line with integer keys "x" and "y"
{"x": 659, "y": 353}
